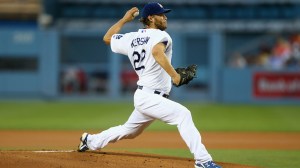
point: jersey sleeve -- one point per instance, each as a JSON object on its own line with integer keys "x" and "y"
{"x": 162, "y": 37}
{"x": 119, "y": 43}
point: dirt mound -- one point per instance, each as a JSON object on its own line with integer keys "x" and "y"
{"x": 68, "y": 159}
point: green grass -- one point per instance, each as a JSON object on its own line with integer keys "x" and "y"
{"x": 214, "y": 117}
{"x": 207, "y": 117}
{"x": 63, "y": 116}
{"x": 95, "y": 116}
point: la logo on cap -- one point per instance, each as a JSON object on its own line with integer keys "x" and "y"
{"x": 160, "y": 5}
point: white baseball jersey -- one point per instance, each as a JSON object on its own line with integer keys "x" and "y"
{"x": 138, "y": 47}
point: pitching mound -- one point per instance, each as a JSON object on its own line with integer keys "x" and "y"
{"x": 67, "y": 159}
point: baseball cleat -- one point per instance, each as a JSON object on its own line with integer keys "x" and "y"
{"x": 83, "y": 144}
{"x": 209, "y": 164}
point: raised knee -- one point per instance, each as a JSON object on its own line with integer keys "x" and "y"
{"x": 186, "y": 113}
{"x": 185, "y": 116}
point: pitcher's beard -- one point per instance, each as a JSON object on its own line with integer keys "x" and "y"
{"x": 161, "y": 26}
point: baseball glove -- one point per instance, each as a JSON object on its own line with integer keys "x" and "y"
{"x": 186, "y": 74}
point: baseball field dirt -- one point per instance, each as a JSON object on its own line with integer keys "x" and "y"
{"x": 57, "y": 149}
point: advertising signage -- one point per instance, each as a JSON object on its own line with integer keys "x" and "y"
{"x": 276, "y": 85}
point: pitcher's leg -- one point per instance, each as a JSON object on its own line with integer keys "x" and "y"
{"x": 181, "y": 116}
{"x": 174, "y": 114}
{"x": 192, "y": 137}
{"x": 135, "y": 125}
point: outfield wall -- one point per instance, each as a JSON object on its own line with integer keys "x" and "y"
{"x": 29, "y": 62}
{"x": 260, "y": 86}
{"x": 40, "y": 58}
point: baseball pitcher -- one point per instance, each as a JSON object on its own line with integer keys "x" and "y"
{"x": 150, "y": 52}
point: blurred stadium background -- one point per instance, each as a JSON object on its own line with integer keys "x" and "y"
{"x": 248, "y": 51}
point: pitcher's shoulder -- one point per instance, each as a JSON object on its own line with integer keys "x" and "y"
{"x": 161, "y": 33}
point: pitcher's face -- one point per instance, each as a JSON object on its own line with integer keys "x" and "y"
{"x": 160, "y": 21}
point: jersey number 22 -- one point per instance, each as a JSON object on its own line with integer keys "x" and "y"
{"x": 138, "y": 59}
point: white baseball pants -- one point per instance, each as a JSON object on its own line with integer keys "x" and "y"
{"x": 149, "y": 107}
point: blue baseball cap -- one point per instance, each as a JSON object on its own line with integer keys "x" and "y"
{"x": 153, "y": 8}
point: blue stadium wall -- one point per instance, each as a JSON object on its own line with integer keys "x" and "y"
{"x": 219, "y": 83}
{"x": 29, "y": 43}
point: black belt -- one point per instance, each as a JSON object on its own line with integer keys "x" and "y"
{"x": 155, "y": 92}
